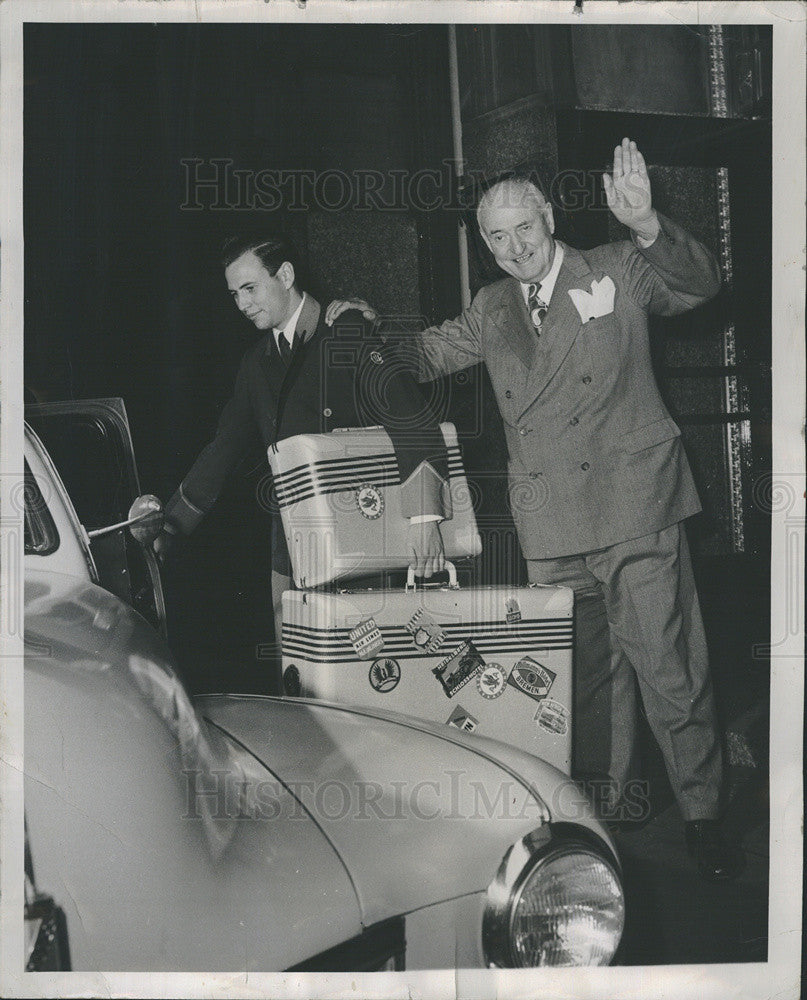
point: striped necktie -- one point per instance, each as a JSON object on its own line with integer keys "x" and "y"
{"x": 537, "y": 307}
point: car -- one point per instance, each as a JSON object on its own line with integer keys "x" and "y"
{"x": 255, "y": 833}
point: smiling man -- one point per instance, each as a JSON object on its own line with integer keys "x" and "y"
{"x": 600, "y": 484}
{"x": 291, "y": 382}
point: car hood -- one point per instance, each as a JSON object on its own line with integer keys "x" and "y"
{"x": 418, "y": 812}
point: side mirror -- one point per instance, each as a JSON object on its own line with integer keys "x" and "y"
{"x": 145, "y": 521}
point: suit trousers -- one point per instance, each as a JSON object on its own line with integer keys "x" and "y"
{"x": 656, "y": 635}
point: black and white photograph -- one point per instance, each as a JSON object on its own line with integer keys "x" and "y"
{"x": 402, "y": 498}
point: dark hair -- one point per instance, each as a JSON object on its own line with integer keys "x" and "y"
{"x": 271, "y": 249}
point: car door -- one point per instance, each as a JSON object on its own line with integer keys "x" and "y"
{"x": 91, "y": 446}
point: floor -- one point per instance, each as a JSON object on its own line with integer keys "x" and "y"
{"x": 673, "y": 915}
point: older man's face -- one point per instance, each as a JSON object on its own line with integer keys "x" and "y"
{"x": 517, "y": 225}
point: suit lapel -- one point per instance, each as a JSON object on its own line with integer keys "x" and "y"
{"x": 513, "y": 323}
{"x": 562, "y": 324}
{"x": 277, "y": 374}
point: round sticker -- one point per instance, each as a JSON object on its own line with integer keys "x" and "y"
{"x": 384, "y": 674}
{"x": 376, "y": 358}
{"x": 370, "y": 502}
{"x": 291, "y": 681}
{"x": 491, "y": 681}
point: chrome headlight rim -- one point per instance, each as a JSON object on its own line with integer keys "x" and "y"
{"x": 543, "y": 845}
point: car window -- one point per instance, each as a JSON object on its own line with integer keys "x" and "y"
{"x": 41, "y": 533}
{"x": 90, "y": 445}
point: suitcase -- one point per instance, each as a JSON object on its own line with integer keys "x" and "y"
{"x": 492, "y": 660}
{"x": 340, "y": 503}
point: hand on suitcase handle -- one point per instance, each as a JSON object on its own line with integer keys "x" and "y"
{"x": 450, "y": 568}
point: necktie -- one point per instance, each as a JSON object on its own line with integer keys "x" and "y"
{"x": 537, "y": 308}
{"x": 284, "y": 348}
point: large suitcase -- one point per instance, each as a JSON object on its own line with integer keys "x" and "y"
{"x": 494, "y": 660}
{"x": 339, "y": 496}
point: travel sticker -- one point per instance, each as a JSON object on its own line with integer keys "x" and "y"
{"x": 291, "y": 681}
{"x": 461, "y": 719}
{"x": 553, "y": 717}
{"x": 366, "y": 639}
{"x": 370, "y": 502}
{"x": 513, "y": 610}
{"x": 425, "y": 631}
{"x": 491, "y": 681}
{"x": 385, "y": 674}
{"x": 532, "y": 678}
{"x": 458, "y": 668}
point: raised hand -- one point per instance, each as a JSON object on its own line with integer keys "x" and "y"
{"x": 627, "y": 191}
{"x": 338, "y": 306}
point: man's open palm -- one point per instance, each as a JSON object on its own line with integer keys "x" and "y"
{"x": 627, "y": 189}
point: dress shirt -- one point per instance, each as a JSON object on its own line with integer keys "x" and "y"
{"x": 290, "y": 327}
{"x": 546, "y": 285}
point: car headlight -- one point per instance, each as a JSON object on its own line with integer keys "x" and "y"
{"x": 557, "y": 899}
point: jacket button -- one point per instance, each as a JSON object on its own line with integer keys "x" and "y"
{"x": 327, "y": 412}
{"x": 523, "y": 431}
{"x": 574, "y": 421}
{"x": 508, "y": 394}
{"x": 585, "y": 466}
{"x": 586, "y": 379}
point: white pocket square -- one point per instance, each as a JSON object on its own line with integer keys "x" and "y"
{"x": 598, "y": 302}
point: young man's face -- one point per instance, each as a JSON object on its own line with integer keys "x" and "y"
{"x": 263, "y": 298}
{"x": 517, "y": 225}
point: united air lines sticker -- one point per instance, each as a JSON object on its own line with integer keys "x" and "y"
{"x": 366, "y": 639}
{"x": 491, "y": 681}
{"x": 532, "y": 678}
{"x": 461, "y": 719}
{"x": 553, "y": 717}
{"x": 426, "y": 633}
{"x": 370, "y": 502}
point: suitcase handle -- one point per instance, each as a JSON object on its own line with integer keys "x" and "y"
{"x": 451, "y": 569}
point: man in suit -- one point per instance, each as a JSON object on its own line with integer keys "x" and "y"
{"x": 599, "y": 480}
{"x": 289, "y": 384}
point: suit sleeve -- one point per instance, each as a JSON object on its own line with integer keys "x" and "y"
{"x": 674, "y": 274}
{"x": 444, "y": 349}
{"x": 234, "y": 436}
{"x": 391, "y": 397}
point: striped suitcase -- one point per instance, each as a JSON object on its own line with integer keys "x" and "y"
{"x": 340, "y": 504}
{"x": 495, "y": 660}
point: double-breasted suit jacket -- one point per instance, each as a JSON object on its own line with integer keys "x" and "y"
{"x": 337, "y": 377}
{"x": 594, "y": 456}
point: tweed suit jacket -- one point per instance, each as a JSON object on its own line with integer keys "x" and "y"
{"x": 594, "y": 458}
{"x": 338, "y": 378}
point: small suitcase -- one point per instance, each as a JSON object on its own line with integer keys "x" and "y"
{"x": 494, "y": 660}
{"x": 339, "y": 496}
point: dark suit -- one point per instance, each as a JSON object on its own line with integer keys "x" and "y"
{"x": 337, "y": 377}
{"x": 599, "y": 480}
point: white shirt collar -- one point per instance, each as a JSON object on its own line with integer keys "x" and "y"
{"x": 547, "y": 285}
{"x": 291, "y": 326}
